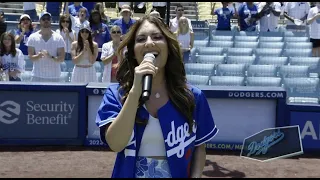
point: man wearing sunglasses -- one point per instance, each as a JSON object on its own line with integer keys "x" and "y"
{"x": 174, "y": 23}
{"x": 46, "y": 49}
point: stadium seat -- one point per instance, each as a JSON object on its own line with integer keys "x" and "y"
{"x": 262, "y": 71}
{"x": 26, "y": 76}
{"x": 246, "y": 33}
{"x": 271, "y": 45}
{"x": 271, "y": 34}
{"x": 209, "y": 59}
{"x": 296, "y": 39}
{"x": 293, "y": 71}
{"x": 252, "y": 45}
{"x": 199, "y": 69}
{"x": 223, "y": 44}
{"x": 276, "y": 61}
{"x": 209, "y": 51}
{"x": 197, "y": 79}
{"x": 302, "y": 90}
{"x": 222, "y": 33}
{"x": 268, "y": 52}
{"x": 295, "y": 34}
{"x": 246, "y": 38}
{"x": 226, "y": 81}
{"x": 312, "y": 62}
{"x": 200, "y": 43}
{"x": 221, "y": 38}
{"x": 201, "y": 34}
{"x": 97, "y": 66}
{"x": 231, "y": 70}
{"x": 240, "y": 51}
{"x": 297, "y": 52}
{"x": 263, "y": 81}
{"x": 65, "y": 77}
{"x": 247, "y": 60}
{"x": 298, "y": 45}
{"x": 270, "y": 39}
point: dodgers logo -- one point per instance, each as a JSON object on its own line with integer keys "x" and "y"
{"x": 179, "y": 136}
{"x": 9, "y": 112}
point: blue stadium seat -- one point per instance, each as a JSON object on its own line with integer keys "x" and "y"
{"x": 252, "y": 45}
{"x": 231, "y": 70}
{"x": 276, "y": 61}
{"x": 226, "y": 81}
{"x": 240, "y": 51}
{"x": 302, "y": 90}
{"x": 199, "y": 24}
{"x": 293, "y": 71}
{"x": 246, "y": 38}
{"x": 312, "y": 62}
{"x": 246, "y": 33}
{"x": 209, "y": 51}
{"x": 201, "y": 34}
{"x": 297, "y": 52}
{"x": 26, "y": 76}
{"x": 199, "y": 69}
{"x": 271, "y": 45}
{"x": 221, "y": 38}
{"x": 209, "y": 59}
{"x": 222, "y": 33}
{"x": 223, "y": 44}
{"x": 97, "y": 66}
{"x": 270, "y": 39}
{"x": 65, "y": 77}
{"x": 268, "y": 52}
{"x": 295, "y": 34}
{"x": 200, "y": 43}
{"x": 247, "y": 60}
{"x": 264, "y": 81}
{"x": 197, "y": 79}
{"x": 296, "y": 39}
{"x": 271, "y": 34}
{"x": 298, "y": 45}
{"x": 262, "y": 71}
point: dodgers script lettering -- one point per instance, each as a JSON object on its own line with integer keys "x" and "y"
{"x": 268, "y": 141}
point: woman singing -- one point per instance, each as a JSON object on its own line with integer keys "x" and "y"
{"x": 164, "y": 136}
{"x": 84, "y": 54}
{"x": 12, "y": 58}
{"x": 109, "y": 57}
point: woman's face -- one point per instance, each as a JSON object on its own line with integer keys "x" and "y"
{"x": 149, "y": 38}
{"x": 183, "y": 22}
{"x": 84, "y": 33}
{"x": 96, "y": 17}
{"x": 25, "y": 22}
{"x": 7, "y": 41}
{"x": 82, "y": 13}
{"x": 65, "y": 22}
{"x": 115, "y": 33}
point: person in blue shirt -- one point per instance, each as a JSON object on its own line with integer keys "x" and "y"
{"x": 248, "y": 16}
{"x": 89, "y": 5}
{"x": 126, "y": 21}
{"x": 100, "y": 31}
{"x": 224, "y": 15}
{"x": 75, "y": 8}
{"x": 54, "y": 8}
{"x": 164, "y": 136}
{"x": 24, "y": 31}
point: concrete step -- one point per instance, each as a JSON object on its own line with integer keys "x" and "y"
{"x": 16, "y": 6}
{"x": 185, "y": 12}
{"x": 11, "y": 10}
{"x": 185, "y": 8}
{"x": 183, "y": 3}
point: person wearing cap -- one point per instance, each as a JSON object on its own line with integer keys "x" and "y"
{"x": 161, "y": 7}
{"x": 126, "y": 21}
{"x": 3, "y": 24}
{"x": 46, "y": 49}
{"x": 155, "y": 13}
{"x": 100, "y": 31}
{"x": 25, "y": 29}
{"x": 84, "y": 53}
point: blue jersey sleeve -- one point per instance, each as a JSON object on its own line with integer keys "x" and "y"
{"x": 206, "y": 128}
{"x": 107, "y": 112}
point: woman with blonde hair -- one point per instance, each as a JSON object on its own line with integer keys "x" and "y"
{"x": 109, "y": 57}
{"x": 164, "y": 136}
{"x": 185, "y": 38}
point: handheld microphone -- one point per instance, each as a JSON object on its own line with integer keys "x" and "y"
{"x": 147, "y": 80}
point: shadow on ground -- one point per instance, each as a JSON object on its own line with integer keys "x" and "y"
{"x": 218, "y": 171}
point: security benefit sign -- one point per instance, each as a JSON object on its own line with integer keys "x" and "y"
{"x": 273, "y": 143}
{"x": 38, "y": 115}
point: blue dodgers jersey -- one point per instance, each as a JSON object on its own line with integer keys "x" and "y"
{"x": 179, "y": 143}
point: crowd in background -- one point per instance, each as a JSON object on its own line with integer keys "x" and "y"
{"x": 84, "y": 37}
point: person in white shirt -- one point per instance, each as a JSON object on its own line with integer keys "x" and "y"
{"x": 270, "y": 17}
{"x": 77, "y": 21}
{"x": 314, "y": 21}
{"x": 69, "y": 35}
{"x": 120, "y": 4}
{"x": 12, "y": 58}
{"x": 296, "y": 10}
{"x": 173, "y": 24}
{"x": 84, "y": 53}
{"x": 30, "y": 9}
{"x": 161, "y": 7}
{"x": 46, "y": 49}
{"x": 109, "y": 57}
{"x": 185, "y": 38}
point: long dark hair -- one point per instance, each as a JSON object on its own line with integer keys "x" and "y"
{"x": 12, "y": 51}
{"x": 81, "y": 44}
{"x": 178, "y": 92}
{"x": 66, "y": 18}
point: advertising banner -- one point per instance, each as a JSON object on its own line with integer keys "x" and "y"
{"x": 309, "y": 123}
{"x": 39, "y": 115}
